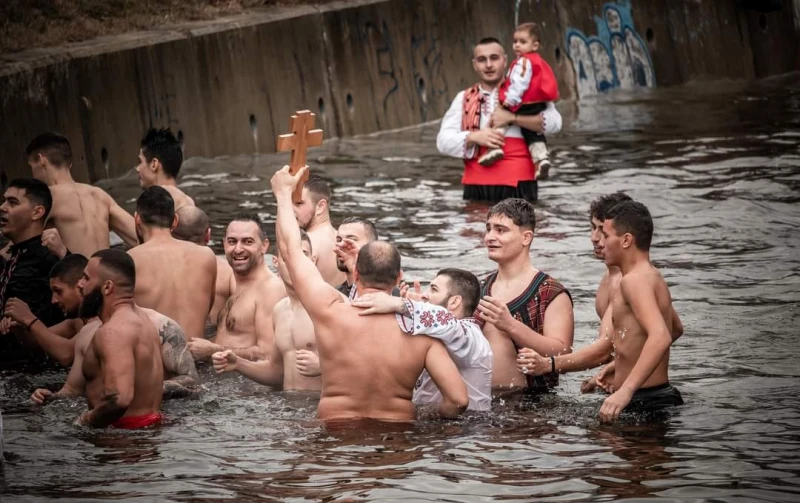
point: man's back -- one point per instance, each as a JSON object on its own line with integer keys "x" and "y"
{"x": 179, "y": 196}
{"x": 81, "y": 213}
{"x": 176, "y": 278}
{"x": 369, "y": 366}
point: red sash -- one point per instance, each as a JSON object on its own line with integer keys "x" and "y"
{"x": 136, "y": 422}
{"x": 516, "y": 166}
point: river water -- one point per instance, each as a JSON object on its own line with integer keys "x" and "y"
{"x": 718, "y": 164}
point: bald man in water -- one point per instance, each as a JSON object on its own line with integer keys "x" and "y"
{"x": 175, "y": 278}
{"x": 362, "y": 375}
{"x": 82, "y": 214}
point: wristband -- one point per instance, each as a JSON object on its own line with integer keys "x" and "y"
{"x": 552, "y": 364}
{"x": 29, "y": 325}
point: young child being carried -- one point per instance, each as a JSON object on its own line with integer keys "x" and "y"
{"x": 528, "y": 86}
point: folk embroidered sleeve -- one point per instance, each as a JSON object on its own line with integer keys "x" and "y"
{"x": 520, "y": 79}
{"x": 437, "y": 322}
{"x": 451, "y": 140}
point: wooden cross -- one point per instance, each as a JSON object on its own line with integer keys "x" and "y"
{"x": 301, "y": 137}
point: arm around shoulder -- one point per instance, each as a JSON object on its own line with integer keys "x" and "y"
{"x": 447, "y": 378}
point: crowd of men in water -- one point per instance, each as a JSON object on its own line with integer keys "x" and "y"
{"x": 336, "y": 318}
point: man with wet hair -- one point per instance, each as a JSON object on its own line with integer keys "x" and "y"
{"x": 293, "y": 363}
{"x": 58, "y": 341}
{"x": 25, "y": 274}
{"x": 362, "y": 376}
{"x": 468, "y": 130}
{"x": 160, "y": 159}
{"x": 82, "y": 214}
{"x": 175, "y": 278}
{"x": 354, "y": 232}
{"x": 609, "y": 285}
{"x": 122, "y": 366}
{"x": 641, "y": 322}
{"x": 522, "y": 307}
{"x": 244, "y": 325}
{"x": 313, "y": 216}
{"x": 444, "y": 311}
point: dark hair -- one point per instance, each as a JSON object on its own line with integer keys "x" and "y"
{"x": 487, "y": 41}
{"x": 631, "y": 217}
{"x": 372, "y": 232}
{"x": 378, "y": 265}
{"x": 532, "y": 28}
{"x": 251, "y": 217}
{"x": 162, "y": 145}
{"x": 155, "y": 206}
{"x": 37, "y": 192}
{"x": 465, "y": 284}
{"x": 600, "y": 206}
{"x": 192, "y": 225}
{"x": 119, "y": 263}
{"x": 52, "y": 146}
{"x": 518, "y": 210}
{"x": 69, "y": 269}
{"x": 318, "y": 188}
{"x": 305, "y": 237}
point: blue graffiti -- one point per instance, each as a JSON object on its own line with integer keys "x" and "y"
{"x": 615, "y": 57}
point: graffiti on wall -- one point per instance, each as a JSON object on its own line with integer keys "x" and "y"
{"x": 615, "y": 57}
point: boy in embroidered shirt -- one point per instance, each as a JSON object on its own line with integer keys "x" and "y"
{"x": 528, "y": 86}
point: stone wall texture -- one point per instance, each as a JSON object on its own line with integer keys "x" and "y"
{"x": 229, "y": 86}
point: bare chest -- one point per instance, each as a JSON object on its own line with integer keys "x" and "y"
{"x": 239, "y": 313}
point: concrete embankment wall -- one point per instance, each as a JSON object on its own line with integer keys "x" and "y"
{"x": 228, "y": 87}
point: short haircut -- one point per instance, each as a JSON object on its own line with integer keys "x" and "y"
{"x": 250, "y": 217}
{"x": 600, "y": 206}
{"x": 192, "y": 225}
{"x": 631, "y": 217}
{"x": 162, "y": 145}
{"x": 120, "y": 264}
{"x": 378, "y": 265}
{"x": 488, "y": 40}
{"x": 69, "y": 269}
{"x": 53, "y": 146}
{"x": 465, "y": 284}
{"x": 305, "y": 237}
{"x": 518, "y": 210}
{"x": 37, "y": 192}
{"x": 318, "y": 188}
{"x": 372, "y": 232}
{"x": 532, "y": 29}
{"x": 155, "y": 206}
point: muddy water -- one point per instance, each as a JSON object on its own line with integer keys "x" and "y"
{"x": 718, "y": 164}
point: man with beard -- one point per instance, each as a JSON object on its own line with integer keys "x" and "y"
{"x": 313, "y": 216}
{"x": 245, "y": 323}
{"x": 353, "y": 233}
{"x": 468, "y": 130}
{"x": 444, "y": 311}
{"x": 122, "y": 366}
{"x": 160, "y": 159}
{"x": 59, "y": 340}
{"x": 175, "y": 278}
{"x": 293, "y": 363}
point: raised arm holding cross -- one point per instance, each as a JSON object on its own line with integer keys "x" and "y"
{"x": 301, "y": 137}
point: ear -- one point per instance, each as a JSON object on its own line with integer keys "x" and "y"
{"x": 154, "y": 165}
{"x": 208, "y": 235}
{"x": 314, "y": 258}
{"x": 38, "y": 213}
{"x": 108, "y": 287}
{"x": 399, "y": 278}
{"x": 175, "y": 220}
{"x": 136, "y": 218}
{"x": 627, "y": 240}
{"x": 265, "y": 246}
{"x": 275, "y": 261}
{"x": 527, "y": 237}
{"x": 535, "y": 45}
{"x": 322, "y": 205}
{"x": 454, "y": 303}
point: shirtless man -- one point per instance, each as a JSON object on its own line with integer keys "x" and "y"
{"x": 293, "y": 363}
{"x": 81, "y": 213}
{"x": 175, "y": 278}
{"x": 57, "y": 341}
{"x": 193, "y": 225}
{"x": 522, "y": 306}
{"x": 122, "y": 366}
{"x": 160, "y": 159}
{"x": 245, "y": 322}
{"x": 609, "y": 285}
{"x": 313, "y": 215}
{"x": 362, "y": 376}
{"x": 638, "y": 323}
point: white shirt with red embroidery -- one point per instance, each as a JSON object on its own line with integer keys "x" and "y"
{"x": 466, "y": 345}
{"x": 520, "y": 78}
{"x": 452, "y": 140}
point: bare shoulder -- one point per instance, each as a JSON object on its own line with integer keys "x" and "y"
{"x": 273, "y": 288}
{"x": 282, "y": 306}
